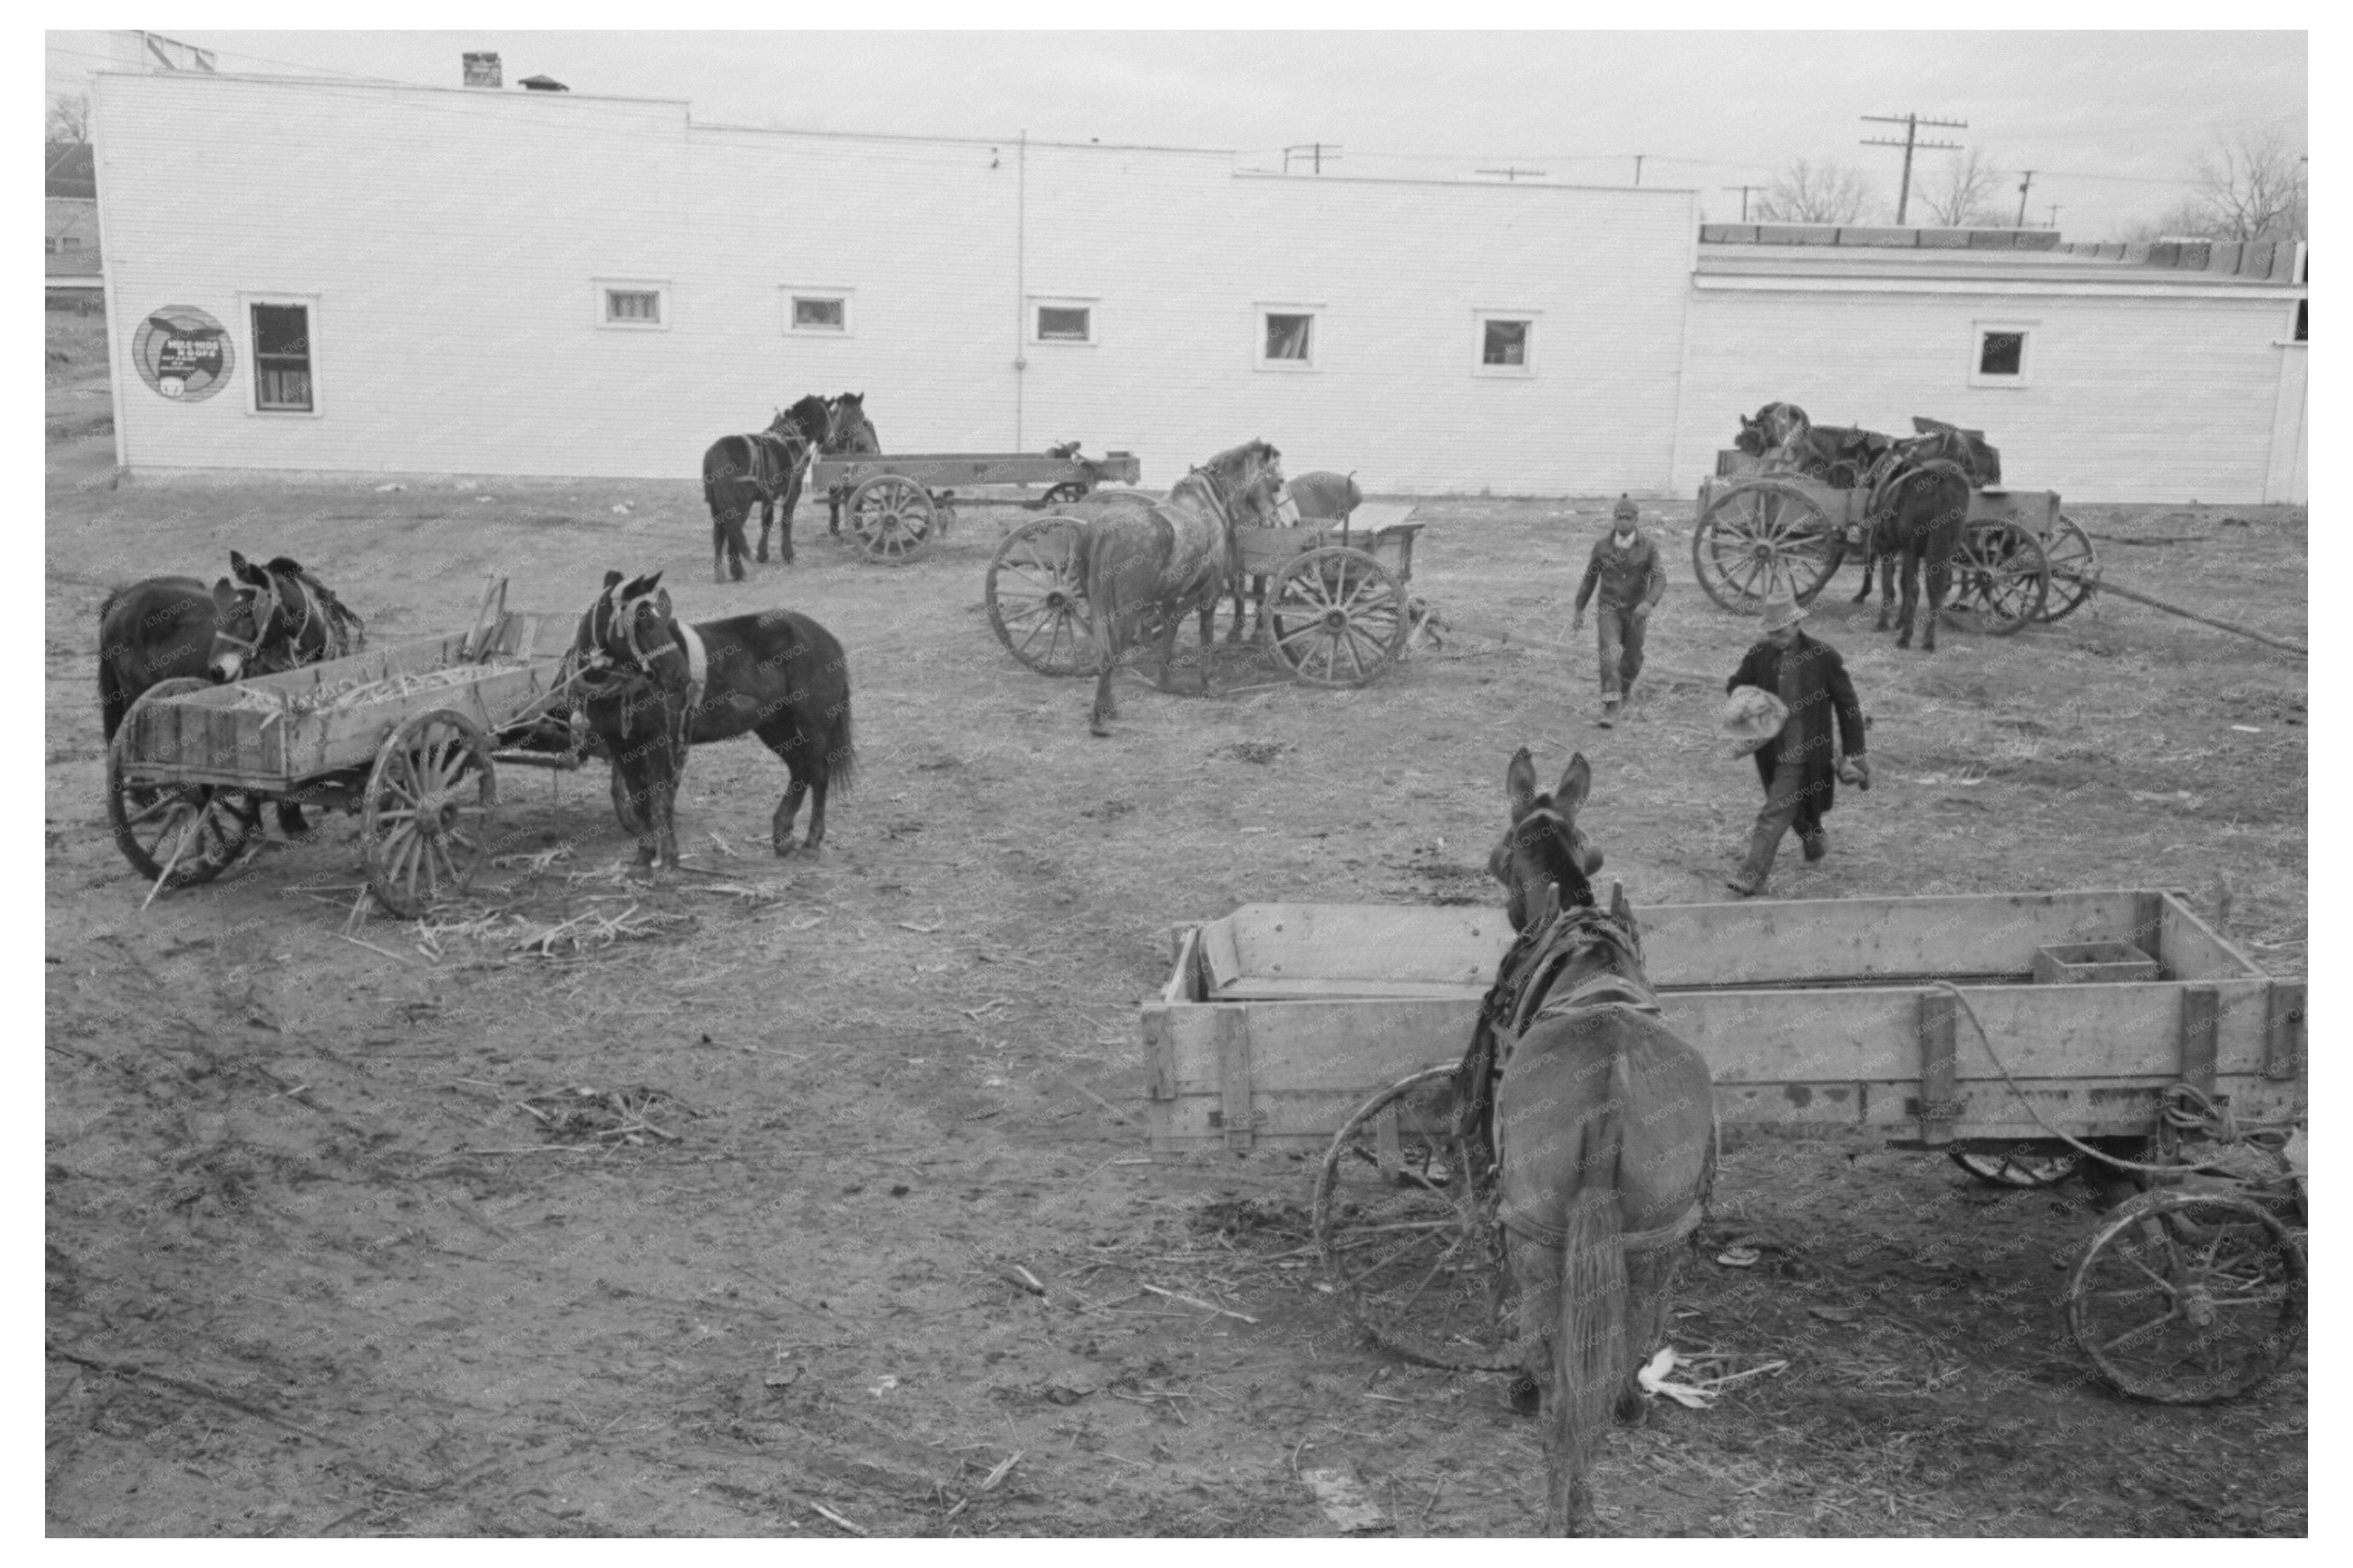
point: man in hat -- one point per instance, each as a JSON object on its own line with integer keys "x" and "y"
{"x": 1626, "y": 566}
{"x": 1800, "y": 767}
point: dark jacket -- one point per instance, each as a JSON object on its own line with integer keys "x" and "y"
{"x": 1630, "y": 576}
{"x": 1819, "y": 691}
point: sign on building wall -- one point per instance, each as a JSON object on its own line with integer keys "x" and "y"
{"x": 183, "y": 353}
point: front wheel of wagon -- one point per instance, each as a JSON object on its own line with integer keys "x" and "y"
{"x": 1336, "y": 616}
{"x": 1760, "y": 532}
{"x": 191, "y": 830}
{"x": 2188, "y": 1298}
{"x": 424, "y": 825}
{"x": 1036, "y": 595}
{"x": 892, "y": 517}
{"x": 1408, "y": 1239}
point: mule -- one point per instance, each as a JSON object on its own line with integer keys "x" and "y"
{"x": 276, "y": 618}
{"x": 1775, "y": 426}
{"x": 765, "y": 467}
{"x": 651, "y": 688}
{"x": 1153, "y": 563}
{"x": 1606, "y": 1125}
{"x": 1923, "y": 524}
{"x": 853, "y": 436}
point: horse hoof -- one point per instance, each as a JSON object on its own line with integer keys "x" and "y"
{"x": 782, "y": 847}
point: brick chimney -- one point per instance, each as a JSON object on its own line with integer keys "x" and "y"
{"x": 481, "y": 70}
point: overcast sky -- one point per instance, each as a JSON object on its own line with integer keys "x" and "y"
{"x": 2110, "y": 122}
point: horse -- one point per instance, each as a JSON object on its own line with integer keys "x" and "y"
{"x": 1772, "y": 430}
{"x": 1923, "y": 521}
{"x": 650, "y": 687}
{"x": 1164, "y": 559}
{"x": 156, "y": 630}
{"x": 853, "y": 436}
{"x": 276, "y": 618}
{"x": 1322, "y": 497}
{"x": 1606, "y": 1124}
{"x": 764, "y": 467}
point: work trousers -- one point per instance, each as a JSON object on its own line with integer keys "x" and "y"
{"x": 1621, "y": 648}
{"x": 1786, "y": 805}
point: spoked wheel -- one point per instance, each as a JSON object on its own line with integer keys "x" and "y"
{"x": 2002, "y": 578}
{"x": 1062, "y": 494}
{"x": 2074, "y": 568}
{"x": 1336, "y": 616}
{"x": 2187, "y": 1298}
{"x": 424, "y": 825}
{"x": 1037, "y": 597}
{"x": 1759, "y": 532}
{"x": 195, "y": 831}
{"x": 892, "y": 517}
{"x": 1409, "y": 1241}
{"x": 2018, "y": 1168}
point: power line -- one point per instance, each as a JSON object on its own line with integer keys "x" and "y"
{"x": 1512, "y": 173}
{"x": 1912, "y": 123}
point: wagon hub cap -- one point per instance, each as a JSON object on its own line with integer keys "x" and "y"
{"x": 1336, "y": 621}
{"x": 434, "y": 811}
{"x": 2197, "y": 1307}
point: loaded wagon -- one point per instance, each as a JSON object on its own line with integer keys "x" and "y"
{"x": 894, "y": 510}
{"x": 408, "y": 735}
{"x": 1993, "y": 1028}
{"x": 2022, "y": 560}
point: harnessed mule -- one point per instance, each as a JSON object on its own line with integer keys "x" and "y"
{"x": 1604, "y": 1130}
{"x": 276, "y": 618}
{"x": 765, "y": 467}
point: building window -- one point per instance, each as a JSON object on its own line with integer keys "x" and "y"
{"x": 2001, "y": 354}
{"x": 1506, "y": 342}
{"x": 1288, "y": 337}
{"x": 817, "y": 312}
{"x": 282, "y": 359}
{"x": 1063, "y": 321}
{"x": 2303, "y": 321}
{"x": 632, "y": 304}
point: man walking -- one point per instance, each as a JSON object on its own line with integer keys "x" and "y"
{"x": 1626, "y": 566}
{"x": 1801, "y": 766}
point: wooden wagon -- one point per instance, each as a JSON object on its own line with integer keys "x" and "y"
{"x": 1335, "y": 611}
{"x": 894, "y": 510}
{"x": 2108, "y": 1016}
{"x": 2022, "y": 560}
{"x": 408, "y": 734}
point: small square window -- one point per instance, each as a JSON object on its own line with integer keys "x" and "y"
{"x": 1504, "y": 344}
{"x": 1290, "y": 338}
{"x": 2303, "y": 321}
{"x": 2001, "y": 354}
{"x": 818, "y": 315}
{"x": 1065, "y": 325}
{"x": 633, "y": 304}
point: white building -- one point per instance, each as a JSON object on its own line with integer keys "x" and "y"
{"x": 338, "y": 276}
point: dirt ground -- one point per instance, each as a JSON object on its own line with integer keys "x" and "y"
{"x": 713, "y": 1227}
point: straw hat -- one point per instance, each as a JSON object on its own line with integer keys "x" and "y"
{"x": 1781, "y": 607}
{"x": 1752, "y": 717}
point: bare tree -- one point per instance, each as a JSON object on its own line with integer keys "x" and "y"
{"x": 68, "y": 120}
{"x": 1814, "y": 193}
{"x": 1958, "y": 198}
{"x": 2249, "y": 186}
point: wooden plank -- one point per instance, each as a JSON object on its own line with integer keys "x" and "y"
{"x": 1183, "y": 977}
{"x": 2284, "y": 1030}
{"x": 2189, "y": 948}
{"x": 1248, "y": 989}
{"x": 2201, "y": 1031}
{"x": 1158, "y": 1052}
{"x": 1234, "y": 1075}
{"x": 1456, "y": 945}
{"x": 1940, "y": 1071}
{"x": 1221, "y": 964}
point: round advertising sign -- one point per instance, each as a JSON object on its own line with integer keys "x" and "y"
{"x": 182, "y": 352}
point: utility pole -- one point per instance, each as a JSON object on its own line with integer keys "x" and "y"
{"x": 2054, "y": 215}
{"x": 1513, "y": 173}
{"x": 1912, "y": 123}
{"x": 2023, "y": 186}
{"x": 1314, "y": 151}
{"x": 1638, "y": 166}
{"x": 1743, "y": 191}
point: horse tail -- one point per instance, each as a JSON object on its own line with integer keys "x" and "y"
{"x": 1590, "y": 1355}
{"x": 840, "y": 747}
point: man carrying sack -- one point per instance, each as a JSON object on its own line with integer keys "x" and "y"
{"x": 1626, "y": 564}
{"x": 1794, "y": 687}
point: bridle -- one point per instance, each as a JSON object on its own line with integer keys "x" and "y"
{"x": 597, "y": 672}
{"x": 268, "y": 604}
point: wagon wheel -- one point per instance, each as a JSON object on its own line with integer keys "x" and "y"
{"x": 1067, "y": 491}
{"x": 423, "y": 823}
{"x": 2000, "y": 576}
{"x": 1407, "y": 1239}
{"x": 1337, "y": 616}
{"x": 2018, "y": 1168}
{"x": 1760, "y": 531}
{"x": 2187, "y": 1298}
{"x": 2074, "y": 568}
{"x": 1037, "y": 597}
{"x": 892, "y": 517}
{"x": 197, "y": 830}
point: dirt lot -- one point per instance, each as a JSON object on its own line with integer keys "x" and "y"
{"x": 319, "y": 1261}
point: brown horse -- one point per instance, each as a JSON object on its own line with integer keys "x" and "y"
{"x": 765, "y": 467}
{"x": 1776, "y": 425}
{"x": 1153, "y": 564}
{"x": 276, "y": 618}
{"x": 1924, "y": 523}
{"x": 1606, "y": 1124}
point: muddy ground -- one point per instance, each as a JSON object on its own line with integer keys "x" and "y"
{"x": 334, "y": 1245}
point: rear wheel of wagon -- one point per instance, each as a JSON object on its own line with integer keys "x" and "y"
{"x": 1409, "y": 1241}
{"x": 2002, "y": 579}
{"x": 1759, "y": 532}
{"x": 2188, "y": 1298}
{"x": 2074, "y": 568}
{"x": 892, "y": 517}
{"x": 423, "y": 823}
{"x": 1336, "y": 616}
{"x": 1037, "y": 595}
{"x": 194, "y": 831}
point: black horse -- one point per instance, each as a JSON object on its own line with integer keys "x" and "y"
{"x": 853, "y": 436}
{"x": 276, "y": 618}
{"x": 652, "y": 688}
{"x": 765, "y": 467}
{"x": 1924, "y": 523}
{"x": 157, "y": 630}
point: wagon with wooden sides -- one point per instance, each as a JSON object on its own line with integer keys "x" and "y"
{"x": 1336, "y": 612}
{"x": 2022, "y": 560}
{"x": 408, "y": 735}
{"x": 895, "y": 510}
{"x": 1994, "y": 1028}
